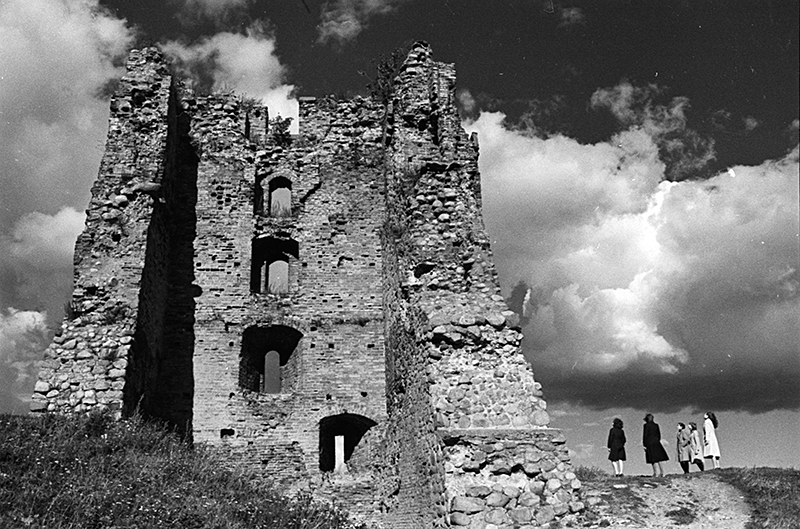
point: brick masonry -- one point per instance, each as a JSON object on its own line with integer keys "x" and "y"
{"x": 356, "y": 253}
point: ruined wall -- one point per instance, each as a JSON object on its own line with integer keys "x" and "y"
{"x": 87, "y": 364}
{"x": 500, "y": 463}
{"x": 266, "y": 296}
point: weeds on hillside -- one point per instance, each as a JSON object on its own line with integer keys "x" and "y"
{"x": 773, "y": 494}
{"x": 91, "y": 472}
{"x": 591, "y": 474}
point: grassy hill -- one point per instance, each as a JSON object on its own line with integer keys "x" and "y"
{"x": 91, "y": 472}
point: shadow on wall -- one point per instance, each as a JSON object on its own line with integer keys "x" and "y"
{"x": 161, "y": 366}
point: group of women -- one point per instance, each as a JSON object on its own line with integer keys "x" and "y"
{"x": 690, "y": 448}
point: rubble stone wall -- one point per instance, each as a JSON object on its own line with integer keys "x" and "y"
{"x": 87, "y": 365}
{"x": 488, "y": 410}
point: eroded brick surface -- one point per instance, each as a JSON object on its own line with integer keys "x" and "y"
{"x": 266, "y": 298}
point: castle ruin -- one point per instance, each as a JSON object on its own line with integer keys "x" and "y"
{"x": 324, "y": 311}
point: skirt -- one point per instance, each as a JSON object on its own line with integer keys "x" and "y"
{"x": 655, "y": 453}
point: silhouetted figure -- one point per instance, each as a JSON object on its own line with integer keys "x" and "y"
{"x": 697, "y": 447}
{"x": 616, "y": 446}
{"x": 683, "y": 445}
{"x": 653, "y": 450}
{"x": 711, "y": 447}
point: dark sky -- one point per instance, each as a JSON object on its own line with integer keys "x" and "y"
{"x": 731, "y": 59}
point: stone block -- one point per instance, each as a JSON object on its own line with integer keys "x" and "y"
{"x": 520, "y": 515}
{"x": 545, "y": 515}
{"x": 496, "y": 516}
{"x": 479, "y": 491}
{"x": 497, "y": 499}
{"x": 467, "y": 504}
{"x": 541, "y": 418}
{"x": 459, "y": 519}
{"x": 537, "y": 487}
{"x": 528, "y": 499}
{"x": 553, "y": 484}
{"x": 576, "y": 506}
{"x": 496, "y": 320}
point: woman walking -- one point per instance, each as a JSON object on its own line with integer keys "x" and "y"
{"x": 711, "y": 447}
{"x": 697, "y": 447}
{"x": 683, "y": 444}
{"x": 653, "y": 449}
{"x": 616, "y": 446}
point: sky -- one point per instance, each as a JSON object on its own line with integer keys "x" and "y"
{"x": 639, "y": 165}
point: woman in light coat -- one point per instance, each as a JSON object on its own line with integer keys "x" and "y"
{"x": 683, "y": 444}
{"x": 696, "y": 448}
{"x": 711, "y": 446}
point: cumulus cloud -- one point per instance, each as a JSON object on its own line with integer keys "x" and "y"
{"x": 344, "y": 20}
{"x": 243, "y": 62}
{"x": 544, "y": 117}
{"x": 685, "y": 152}
{"x": 467, "y": 102}
{"x": 220, "y": 12}
{"x": 214, "y": 7}
{"x": 23, "y": 337}
{"x": 37, "y": 259}
{"x": 56, "y": 59}
{"x": 643, "y": 291}
{"x": 44, "y": 241}
{"x": 571, "y": 16}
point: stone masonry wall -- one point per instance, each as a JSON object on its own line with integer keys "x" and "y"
{"x": 487, "y": 408}
{"x": 363, "y": 303}
{"x": 86, "y": 366}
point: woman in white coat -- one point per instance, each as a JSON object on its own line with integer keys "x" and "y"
{"x": 710, "y": 446}
{"x": 696, "y": 447}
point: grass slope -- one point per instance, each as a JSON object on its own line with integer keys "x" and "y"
{"x": 773, "y": 494}
{"x": 91, "y": 472}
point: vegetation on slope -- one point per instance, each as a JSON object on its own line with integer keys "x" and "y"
{"x": 773, "y": 494}
{"x": 91, "y": 472}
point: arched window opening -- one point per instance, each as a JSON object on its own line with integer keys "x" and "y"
{"x": 270, "y": 264}
{"x": 272, "y": 373}
{"x": 280, "y": 197}
{"x": 278, "y": 277}
{"x": 338, "y": 437}
{"x": 267, "y": 363}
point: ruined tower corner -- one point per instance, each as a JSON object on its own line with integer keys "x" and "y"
{"x": 323, "y": 308}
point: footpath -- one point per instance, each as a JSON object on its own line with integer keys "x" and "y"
{"x": 694, "y": 501}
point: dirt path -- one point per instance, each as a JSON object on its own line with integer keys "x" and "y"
{"x": 694, "y": 501}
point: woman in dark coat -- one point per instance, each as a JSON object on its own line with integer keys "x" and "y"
{"x": 653, "y": 449}
{"x": 616, "y": 446}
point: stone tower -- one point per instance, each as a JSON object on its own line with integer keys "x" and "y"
{"x": 323, "y": 309}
